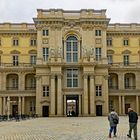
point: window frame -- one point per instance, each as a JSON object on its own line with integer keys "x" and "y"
{"x": 45, "y": 91}
{"x": 98, "y": 90}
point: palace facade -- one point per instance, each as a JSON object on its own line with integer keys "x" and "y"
{"x": 69, "y": 61}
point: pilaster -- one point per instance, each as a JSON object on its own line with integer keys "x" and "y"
{"x": 85, "y": 95}
{"x": 92, "y": 96}
{"x": 137, "y": 104}
{"x": 0, "y": 105}
{"x": 52, "y": 103}
{"x": 123, "y": 105}
{"x": 120, "y": 105}
{"x": 23, "y": 105}
{"x": 59, "y": 95}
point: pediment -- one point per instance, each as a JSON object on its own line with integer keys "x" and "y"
{"x": 15, "y": 52}
{"x": 32, "y": 52}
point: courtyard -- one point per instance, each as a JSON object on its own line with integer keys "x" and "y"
{"x": 65, "y": 128}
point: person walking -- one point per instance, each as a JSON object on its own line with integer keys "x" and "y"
{"x": 133, "y": 119}
{"x": 113, "y": 119}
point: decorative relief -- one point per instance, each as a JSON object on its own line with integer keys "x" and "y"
{"x": 32, "y": 52}
{"x": 45, "y": 40}
{"x": 98, "y": 41}
{"x": 15, "y": 52}
{"x": 56, "y": 52}
{"x": 88, "y": 52}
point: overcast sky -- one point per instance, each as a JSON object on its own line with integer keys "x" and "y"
{"x": 120, "y": 11}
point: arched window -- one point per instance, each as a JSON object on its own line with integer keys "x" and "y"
{"x": 72, "y": 49}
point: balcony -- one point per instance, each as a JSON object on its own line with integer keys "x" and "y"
{"x": 130, "y": 87}
{"x": 124, "y": 65}
{"x": 17, "y": 65}
{"x": 113, "y": 87}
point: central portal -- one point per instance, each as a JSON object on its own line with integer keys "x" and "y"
{"x": 72, "y": 105}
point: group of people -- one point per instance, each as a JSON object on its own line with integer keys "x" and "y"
{"x": 113, "y": 119}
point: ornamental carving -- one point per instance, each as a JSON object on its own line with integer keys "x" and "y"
{"x": 15, "y": 52}
{"x": 88, "y": 52}
{"x": 126, "y": 52}
{"x": 56, "y": 52}
{"x": 32, "y": 52}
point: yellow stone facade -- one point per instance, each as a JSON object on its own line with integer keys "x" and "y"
{"x": 69, "y": 56}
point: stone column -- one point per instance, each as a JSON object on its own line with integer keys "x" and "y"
{"x": 80, "y": 108}
{"x": 39, "y": 46}
{"x": 19, "y": 105}
{"x": 120, "y": 105}
{"x": 8, "y": 107}
{"x": 137, "y": 104}
{"x": 92, "y": 96}
{"x": 23, "y": 105}
{"x": 104, "y": 55}
{"x": 59, "y": 96}
{"x": 4, "y": 81}
{"x": 65, "y": 106}
{"x": 38, "y": 95}
{"x": 21, "y": 81}
{"x": 123, "y": 105}
{"x": 121, "y": 81}
{"x": 4, "y": 105}
{"x": 137, "y": 80}
{"x": 52, "y": 103}
{"x": 85, "y": 96}
{"x": 0, "y": 105}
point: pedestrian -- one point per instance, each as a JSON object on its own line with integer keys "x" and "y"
{"x": 133, "y": 119}
{"x": 113, "y": 119}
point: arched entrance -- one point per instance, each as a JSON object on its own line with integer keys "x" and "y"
{"x": 72, "y": 105}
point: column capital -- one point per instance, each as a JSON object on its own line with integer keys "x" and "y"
{"x": 106, "y": 77}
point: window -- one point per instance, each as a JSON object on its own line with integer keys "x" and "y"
{"x": 98, "y": 54}
{"x": 72, "y": 49}
{"x": 125, "y": 42}
{"x": 109, "y": 42}
{"x": 0, "y": 60}
{"x": 15, "y": 83}
{"x": 32, "y": 106}
{"x": 127, "y": 82}
{"x": 126, "y": 59}
{"x": 15, "y": 42}
{"x": 72, "y": 77}
{"x": 45, "y": 54}
{"x": 45, "y": 91}
{"x": 33, "y": 82}
{"x": 33, "y": 42}
{"x": 109, "y": 57}
{"x": 33, "y": 59}
{"x": 45, "y": 32}
{"x": 98, "y": 33}
{"x": 110, "y": 82}
{"x": 99, "y": 90}
{"x": 0, "y": 41}
{"x": 15, "y": 60}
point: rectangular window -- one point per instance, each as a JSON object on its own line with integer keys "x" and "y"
{"x": 110, "y": 60}
{"x": 45, "y": 32}
{"x": 98, "y": 54}
{"x": 98, "y": 32}
{"x": 45, "y": 54}
{"x": 99, "y": 90}
{"x": 126, "y": 59}
{"x": 45, "y": 91}
{"x": 127, "y": 82}
{"x": 125, "y": 42}
{"x": 33, "y": 83}
{"x": 15, "y": 83}
{"x": 33, "y": 59}
{"x": 0, "y": 42}
{"x": 72, "y": 77}
{"x": 15, "y": 60}
{"x": 110, "y": 82}
{"x": 109, "y": 42}
{"x": 33, "y": 42}
{"x": 15, "y": 42}
{"x": 32, "y": 106}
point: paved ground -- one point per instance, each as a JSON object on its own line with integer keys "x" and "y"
{"x": 80, "y": 128}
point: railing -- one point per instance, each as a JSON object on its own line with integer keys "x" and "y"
{"x": 30, "y": 88}
{"x": 113, "y": 87}
{"x": 12, "y": 88}
{"x": 128, "y": 65}
{"x": 130, "y": 87}
{"x": 19, "y": 65}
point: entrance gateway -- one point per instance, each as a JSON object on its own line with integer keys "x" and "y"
{"x": 72, "y": 105}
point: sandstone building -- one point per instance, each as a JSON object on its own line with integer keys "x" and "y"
{"x": 69, "y": 56}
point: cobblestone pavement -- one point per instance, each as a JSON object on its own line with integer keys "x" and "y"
{"x": 80, "y": 128}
